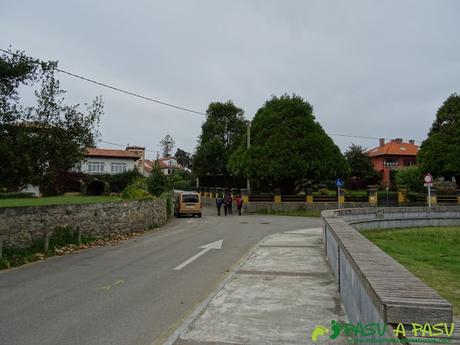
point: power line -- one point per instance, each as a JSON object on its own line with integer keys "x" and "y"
{"x": 110, "y": 86}
{"x": 154, "y": 100}
{"x": 363, "y": 137}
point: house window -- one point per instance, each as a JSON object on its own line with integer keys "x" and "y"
{"x": 391, "y": 162}
{"x": 117, "y": 167}
{"x": 96, "y": 166}
{"x": 408, "y": 162}
{"x": 76, "y": 168}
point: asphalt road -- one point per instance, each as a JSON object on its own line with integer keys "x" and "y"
{"x": 129, "y": 293}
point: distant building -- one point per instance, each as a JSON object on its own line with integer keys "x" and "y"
{"x": 140, "y": 152}
{"x": 107, "y": 161}
{"x": 168, "y": 165}
{"x": 393, "y": 155}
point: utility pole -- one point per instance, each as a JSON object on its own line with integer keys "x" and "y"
{"x": 248, "y": 124}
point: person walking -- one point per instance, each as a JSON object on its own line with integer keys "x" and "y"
{"x": 239, "y": 203}
{"x": 227, "y": 204}
{"x": 219, "y": 202}
{"x": 230, "y": 203}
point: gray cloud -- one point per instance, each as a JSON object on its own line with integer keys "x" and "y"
{"x": 371, "y": 68}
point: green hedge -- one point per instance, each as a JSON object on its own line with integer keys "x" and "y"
{"x": 16, "y": 195}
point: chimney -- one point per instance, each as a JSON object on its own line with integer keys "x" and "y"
{"x": 398, "y": 140}
{"x": 381, "y": 142}
{"x": 412, "y": 141}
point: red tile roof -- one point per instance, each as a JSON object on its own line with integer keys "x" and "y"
{"x": 95, "y": 152}
{"x": 394, "y": 148}
{"x": 148, "y": 165}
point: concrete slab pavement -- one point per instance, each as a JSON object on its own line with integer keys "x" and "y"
{"x": 278, "y": 295}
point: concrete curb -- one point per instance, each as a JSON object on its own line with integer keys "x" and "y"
{"x": 200, "y": 308}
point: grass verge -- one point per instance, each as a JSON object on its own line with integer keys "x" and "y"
{"x": 431, "y": 253}
{"x": 292, "y": 213}
{"x": 56, "y": 200}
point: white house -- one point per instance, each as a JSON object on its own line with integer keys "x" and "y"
{"x": 107, "y": 161}
{"x": 168, "y": 165}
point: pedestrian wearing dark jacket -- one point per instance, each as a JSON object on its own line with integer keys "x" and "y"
{"x": 219, "y": 202}
{"x": 227, "y": 199}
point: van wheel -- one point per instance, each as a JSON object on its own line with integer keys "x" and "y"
{"x": 199, "y": 215}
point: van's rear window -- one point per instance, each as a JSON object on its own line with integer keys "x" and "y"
{"x": 190, "y": 198}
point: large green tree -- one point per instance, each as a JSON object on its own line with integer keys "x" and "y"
{"x": 221, "y": 134}
{"x": 361, "y": 168}
{"x": 184, "y": 158}
{"x": 440, "y": 153}
{"x": 39, "y": 142}
{"x": 289, "y": 149}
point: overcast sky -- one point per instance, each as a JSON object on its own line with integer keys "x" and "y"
{"x": 369, "y": 68}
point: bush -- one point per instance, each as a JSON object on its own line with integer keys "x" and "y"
{"x": 136, "y": 190}
{"x": 410, "y": 177}
{"x": 157, "y": 181}
{"x": 16, "y": 195}
{"x": 168, "y": 197}
{"x": 62, "y": 236}
{"x": 120, "y": 181}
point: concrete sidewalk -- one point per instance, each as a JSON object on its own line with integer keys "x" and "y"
{"x": 279, "y": 294}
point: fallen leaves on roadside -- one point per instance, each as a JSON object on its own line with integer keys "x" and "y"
{"x": 100, "y": 242}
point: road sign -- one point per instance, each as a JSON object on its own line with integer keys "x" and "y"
{"x": 428, "y": 183}
{"x": 339, "y": 182}
{"x": 428, "y": 178}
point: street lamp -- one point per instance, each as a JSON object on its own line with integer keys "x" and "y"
{"x": 248, "y": 145}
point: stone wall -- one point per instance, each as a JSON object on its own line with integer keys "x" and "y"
{"x": 21, "y": 225}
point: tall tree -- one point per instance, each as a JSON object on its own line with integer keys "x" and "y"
{"x": 440, "y": 153}
{"x": 183, "y": 158}
{"x": 289, "y": 149}
{"x": 39, "y": 142}
{"x": 221, "y": 134}
{"x": 167, "y": 145}
{"x": 361, "y": 167}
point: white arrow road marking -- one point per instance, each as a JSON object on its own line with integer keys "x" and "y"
{"x": 206, "y": 248}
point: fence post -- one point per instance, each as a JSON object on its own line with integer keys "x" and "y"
{"x": 277, "y": 196}
{"x": 309, "y": 196}
{"x": 245, "y": 194}
{"x": 372, "y": 193}
{"x": 458, "y": 196}
{"x": 402, "y": 196}
{"x": 434, "y": 198}
{"x": 342, "y": 196}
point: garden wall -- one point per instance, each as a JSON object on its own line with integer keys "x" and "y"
{"x": 20, "y": 226}
{"x": 372, "y": 285}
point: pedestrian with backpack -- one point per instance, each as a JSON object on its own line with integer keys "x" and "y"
{"x": 219, "y": 202}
